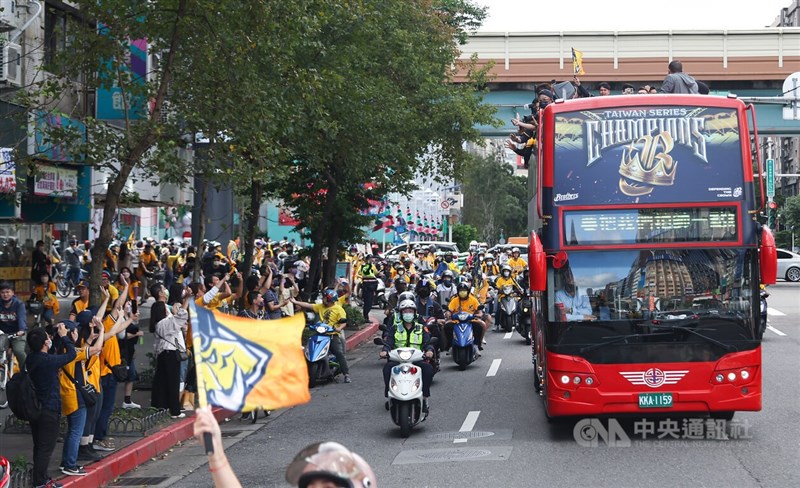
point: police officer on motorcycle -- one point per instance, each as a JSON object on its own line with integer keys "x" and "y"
{"x": 409, "y": 333}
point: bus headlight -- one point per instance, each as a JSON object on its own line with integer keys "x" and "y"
{"x": 565, "y": 379}
{"x": 719, "y": 378}
{"x": 744, "y": 374}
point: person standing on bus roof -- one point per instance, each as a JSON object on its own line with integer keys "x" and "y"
{"x": 677, "y": 81}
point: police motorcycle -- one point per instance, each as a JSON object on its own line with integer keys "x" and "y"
{"x": 405, "y": 394}
{"x": 508, "y": 306}
{"x": 322, "y": 365}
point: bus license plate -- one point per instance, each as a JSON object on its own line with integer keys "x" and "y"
{"x": 655, "y": 400}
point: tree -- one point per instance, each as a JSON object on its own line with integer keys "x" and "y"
{"x": 463, "y": 234}
{"x": 494, "y": 199}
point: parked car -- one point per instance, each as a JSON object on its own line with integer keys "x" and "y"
{"x": 393, "y": 254}
{"x": 788, "y": 265}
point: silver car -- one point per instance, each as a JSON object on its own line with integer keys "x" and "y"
{"x": 788, "y": 265}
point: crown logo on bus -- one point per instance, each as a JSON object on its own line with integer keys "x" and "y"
{"x": 645, "y": 167}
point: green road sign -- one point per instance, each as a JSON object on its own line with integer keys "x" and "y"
{"x": 770, "y": 178}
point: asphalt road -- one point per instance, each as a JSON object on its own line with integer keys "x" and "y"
{"x": 508, "y": 442}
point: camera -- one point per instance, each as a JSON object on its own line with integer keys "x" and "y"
{"x": 528, "y": 119}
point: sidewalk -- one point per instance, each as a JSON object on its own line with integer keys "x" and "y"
{"x": 134, "y": 450}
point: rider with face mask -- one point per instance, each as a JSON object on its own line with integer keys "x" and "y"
{"x": 465, "y": 302}
{"x": 409, "y": 333}
{"x": 428, "y": 308}
{"x": 449, "y": 263}
{"x": 446, "y": 289}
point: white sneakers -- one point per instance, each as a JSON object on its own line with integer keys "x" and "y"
{"x": 130, "y": 405}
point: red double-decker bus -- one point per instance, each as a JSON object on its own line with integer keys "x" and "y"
{"x": 646, "y": 257}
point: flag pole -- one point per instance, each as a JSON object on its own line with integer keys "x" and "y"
{"x": 202, "y": 397}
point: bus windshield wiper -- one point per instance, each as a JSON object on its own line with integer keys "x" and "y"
{"x": 622, "y": 338}
{"x": 727, "y": 347}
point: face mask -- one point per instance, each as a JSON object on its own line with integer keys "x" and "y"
{"x": 506, "y": 274}
{"x": 542, "y": 105}
{"x": 448, "y": 259}
{"x": 401, "y": 272}
{"x": 424, "y": 293}
{"x": 166, "y": 293}
{"x": 463, "y": 294}
{"x": 409, "y": 317}
{"x": 447, "y": 282}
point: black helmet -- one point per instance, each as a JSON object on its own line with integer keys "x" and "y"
{"x": 423, "y": 284}
{"x": 463, "y": 286}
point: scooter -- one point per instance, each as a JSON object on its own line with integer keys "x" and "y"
{"x": 508, "y": 311}
{"x": 405, "y": 388}
{"x": 763, "y": 325}
{"x": 524, "y": 321}
{"x": 463, "y": 348}
{"x": 321, "y": 364}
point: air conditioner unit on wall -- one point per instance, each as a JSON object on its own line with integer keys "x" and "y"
{"x": 10, "y": 17}
{"x": 11, "y": 62}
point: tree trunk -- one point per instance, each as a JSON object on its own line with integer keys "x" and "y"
{"x": 138, "y": 148}
{"x": 329, "y": 270}
{"x": 318, "y": 239}
{"x": 201, "y": 232}
{"x": 250, "y": 227}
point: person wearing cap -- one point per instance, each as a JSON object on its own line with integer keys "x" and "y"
{"x": 82, "y": 302}
{"x": 516, "y": 262}
{"x": 43, "y": 370}
{"x": 320, "y": 465}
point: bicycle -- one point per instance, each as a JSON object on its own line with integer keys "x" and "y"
{"x": 7, "y": 360}
{"x": 64, "y": 285}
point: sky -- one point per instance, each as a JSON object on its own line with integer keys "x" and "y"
{"x": 628, "y": 15}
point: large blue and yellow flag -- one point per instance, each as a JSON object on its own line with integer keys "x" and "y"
{"x": 243, "y": 364}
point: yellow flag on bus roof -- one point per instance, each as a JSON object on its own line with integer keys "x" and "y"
{"x": 244, "y": 364}
{"x": 577, "y": 62}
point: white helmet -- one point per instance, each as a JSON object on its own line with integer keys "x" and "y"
{"x": 406, "y": 304}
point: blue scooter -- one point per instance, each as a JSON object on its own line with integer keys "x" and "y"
{"x": 463, "y": 348}
{"x": 322, "y": 365}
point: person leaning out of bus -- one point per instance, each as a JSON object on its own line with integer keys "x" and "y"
{"x": 575, "y": 307}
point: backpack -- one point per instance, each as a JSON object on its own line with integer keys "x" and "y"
{"x": 22, "y": 397}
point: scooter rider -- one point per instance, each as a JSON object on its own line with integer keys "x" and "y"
{"x": 409, "y": 333}
{"x": 428, "y": 307}
{"x": 505, "y": 279}
{"x": 446, "y": 289}
{"x": 465, "y": 302}
{"x": 330, "y": 312}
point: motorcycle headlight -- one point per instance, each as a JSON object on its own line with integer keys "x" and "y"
{"x": 321, "y": 329}
{"x": 405, "y": 355}
{"x": 525, "y": 310}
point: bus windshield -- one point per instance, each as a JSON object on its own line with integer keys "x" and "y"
{"x": 603, "y": 300}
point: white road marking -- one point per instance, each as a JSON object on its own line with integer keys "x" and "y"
{"x": 777, "y": 313}
{"x": 469, "y": 422}
{"x": 468, "y": 425}
{"x": 508, "y": 335}
{"x": 773, "y": 329}
{"x": 494, "y": 367}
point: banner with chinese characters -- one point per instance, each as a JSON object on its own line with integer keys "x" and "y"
{"x": 55, "y": 182}
{"x": 664, "y": 154}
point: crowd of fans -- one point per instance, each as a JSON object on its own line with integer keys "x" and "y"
{"x": 523, "y": 142}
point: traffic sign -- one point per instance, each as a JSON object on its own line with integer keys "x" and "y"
{"x": 770, "y": 178}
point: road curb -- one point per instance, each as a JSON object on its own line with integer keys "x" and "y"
{"x": 357, "y": 338}
{"x": 128, "y": 458}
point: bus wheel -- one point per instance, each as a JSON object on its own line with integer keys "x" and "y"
{"x": 722, "y": 415}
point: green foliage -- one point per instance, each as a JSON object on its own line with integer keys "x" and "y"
{"x": 355, "y": 317}
{"x": 463, "y": 234}
{"x": 495, "y": 200}
{"x": 790, "y": 214}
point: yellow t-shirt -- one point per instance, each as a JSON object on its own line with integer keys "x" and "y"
{"x": 69, "y": 395}
{"x": 517, "y": 265}
{"x": 330, "y": 315}
{"x": 110, "y": 353}
{"x": 114, "y": 295}
{"x": 93, "y": 371}
{"x": 470, "y": 304}
{"x": 501, "y": 282}
{"x": 49, "y": 299}
{"x": 79, "y": 306}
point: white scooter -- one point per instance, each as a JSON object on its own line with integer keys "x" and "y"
{"x": 405, "y": 388}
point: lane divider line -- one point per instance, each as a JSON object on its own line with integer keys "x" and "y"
{"x": 777, "y": 313}
{"x": 773, "y": 329}
{"x": 494, "y": 367}
{"x": 468, "y": 425}
{"x": 508, "y": 335}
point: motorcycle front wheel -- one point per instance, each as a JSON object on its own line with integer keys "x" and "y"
{"x": 314, "y": 373}
{"x": 508, "y": 323}
{"x": 404, "y": 418}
